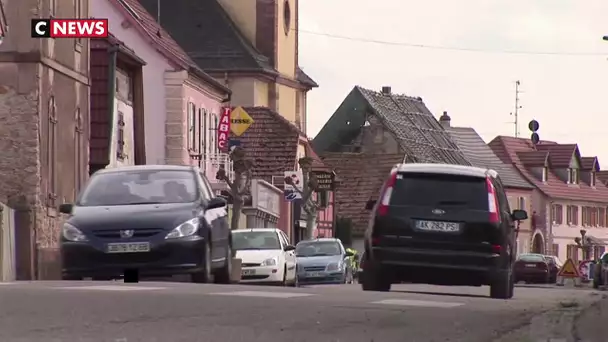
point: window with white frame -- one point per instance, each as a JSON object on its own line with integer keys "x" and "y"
{"x": 216, "y": 122}
{"x": 592, "y": 179}
{"x": 521, "y": 203}
{"x": 573, "y": 176}
{"x": 191, "y": 127}
{"x": 545, "y": 175}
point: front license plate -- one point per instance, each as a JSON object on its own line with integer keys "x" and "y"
{"x": 314, "y": 274}
{"x": 131, "y": 247}
{"x": 530, "y": 265}
{"x": 248, "y": 272}
{"x": 438, "y": 226}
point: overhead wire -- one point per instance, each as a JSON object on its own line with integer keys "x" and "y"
{"x": 451, "y": 48}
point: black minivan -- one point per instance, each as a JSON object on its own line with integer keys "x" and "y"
{"x": 444, "y": 225}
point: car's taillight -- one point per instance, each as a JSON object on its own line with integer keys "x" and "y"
{"x": 492, "y": 202}
{"x": 385, "y": 197}
{"x": 496, "y": 249}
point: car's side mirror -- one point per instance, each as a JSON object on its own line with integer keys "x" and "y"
{"x": 289, "y": 248}
{"x": 216, "y": 202}
{"x": 349, "y": 253}
{"x": 519, "y": 215}
{"x": 66, "y": 208}
{"x": 370, "y": 205}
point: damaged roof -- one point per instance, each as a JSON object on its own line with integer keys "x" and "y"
{"x": 418, "y": 133}
{"x": 481, "y": 155}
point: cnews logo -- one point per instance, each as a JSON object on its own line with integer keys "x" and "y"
{"x": 69, "y": 28}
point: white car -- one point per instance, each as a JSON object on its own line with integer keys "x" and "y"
{"x": 267, "y": 257}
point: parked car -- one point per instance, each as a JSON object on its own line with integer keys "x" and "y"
{"x": 156, "y": 220}
{"x": 441, "y": 224}
{"x": 323, "y": 261}
{"x": 532, "y": 268}
{"x": 554, "y": 266}
{"x": 600, "y": 270}
{"x": 267, "y": 257}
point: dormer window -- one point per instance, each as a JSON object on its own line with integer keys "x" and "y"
{"x": 592, "y": 179}
{"x": 545, "y": 175}
{"x": 573, "y": 176}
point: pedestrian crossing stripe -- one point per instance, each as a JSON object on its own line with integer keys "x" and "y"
{"x": 262, "y": 294}
{"x": 111, "y": 288}
{"x": 418, "y": 303}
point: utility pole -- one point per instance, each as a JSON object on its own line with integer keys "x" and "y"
{"x": 517, "y": 108}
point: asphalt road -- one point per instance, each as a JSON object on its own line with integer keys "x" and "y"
{"x": 173, "y": 312}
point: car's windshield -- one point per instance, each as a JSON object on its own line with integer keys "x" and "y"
{"x": 318, "y": 248}
{"x": 252, "y": 240}
{"x": 433, "y": 190}
{"x": 531, "y": 258}
{"x": 139, "y": 187}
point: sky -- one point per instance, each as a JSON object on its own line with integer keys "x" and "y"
{"x": 464, "y": 57}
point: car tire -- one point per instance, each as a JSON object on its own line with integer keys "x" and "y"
{"x": 204, "y": 276}
{"x": 373, "y": 279}
{"x": 502, "y": 286}
{"x": 224, "y": 274}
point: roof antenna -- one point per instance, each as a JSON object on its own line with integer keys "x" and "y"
{"x": 515, "y": 113}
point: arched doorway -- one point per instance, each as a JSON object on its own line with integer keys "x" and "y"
{"x": 538, "y": 243}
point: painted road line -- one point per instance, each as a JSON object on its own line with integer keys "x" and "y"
{"x": 418, "y": 303}
{"x": 262, "y": 294}
{"x": 111, "y": 288}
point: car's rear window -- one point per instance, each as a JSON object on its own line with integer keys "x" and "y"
{"x": 432, "y": 190}
{"x": 531, "y": 258}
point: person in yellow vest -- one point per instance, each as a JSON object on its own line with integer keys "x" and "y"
{"x": 354, "y": 261}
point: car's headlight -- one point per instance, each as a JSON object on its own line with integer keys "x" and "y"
{"x": 72, "y": 233}
{"x": 270, "y": 262}
{"x": 187, "y": 228}
{"x": 334, "y": 266}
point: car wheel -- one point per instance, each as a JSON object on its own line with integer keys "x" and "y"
{"x": 224, "y": 274}
{"x": 502, "y": 286}
{"x": 204, "y": 276}
{"x": 373, "y": 279}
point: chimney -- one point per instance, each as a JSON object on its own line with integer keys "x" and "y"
{"x": 386, "y": 90}
{"x": 444, "y": 120}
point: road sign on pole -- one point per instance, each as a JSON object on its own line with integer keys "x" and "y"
{"x": 239, "y": 121}
{"x": 569, "y": 271}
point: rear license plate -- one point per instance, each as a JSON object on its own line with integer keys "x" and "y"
{"x": 314, "y": 274}
{"x": 438, "y": 226}
{"x": 530, "y": 265}
{"x": 248, "y": 272}
{"x": 131, "y": 247}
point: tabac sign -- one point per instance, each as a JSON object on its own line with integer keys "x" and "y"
{"x": 223, "y": 129}
{"x": 239, "y": 121}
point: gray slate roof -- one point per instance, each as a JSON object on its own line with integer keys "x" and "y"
{"x": 418, "y": 132}
{"x": 481, "y": 155}
{"x": 210, "y": 37}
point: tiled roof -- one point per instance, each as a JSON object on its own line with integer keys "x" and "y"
{"x": 602, "y": 176}
{"x": 480, "y": 155}
{"x": 271, "y": 142}
{"x": 415, "y": 127}
{"x": 590, "y": 163}
{"x": 360, "y": 178}
{"x": 561, "y": 155}
{"x": 533, "y": 158}
{"x": 507, "y": 148}
{"x": 212, "y": 39}
{"x": 165, "y": 44}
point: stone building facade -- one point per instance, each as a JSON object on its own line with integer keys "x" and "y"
{"x": 44, "y": 125}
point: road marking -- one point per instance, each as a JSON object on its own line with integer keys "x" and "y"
{"x": 111, "y": 288}
{"x": 419, "y": 303}
{"x": 262, "y": 294}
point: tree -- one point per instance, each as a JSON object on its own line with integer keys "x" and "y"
{"x": 241, "y": 185}
{"x": 343, "y": 230}
{"x": 309, "y": 186}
